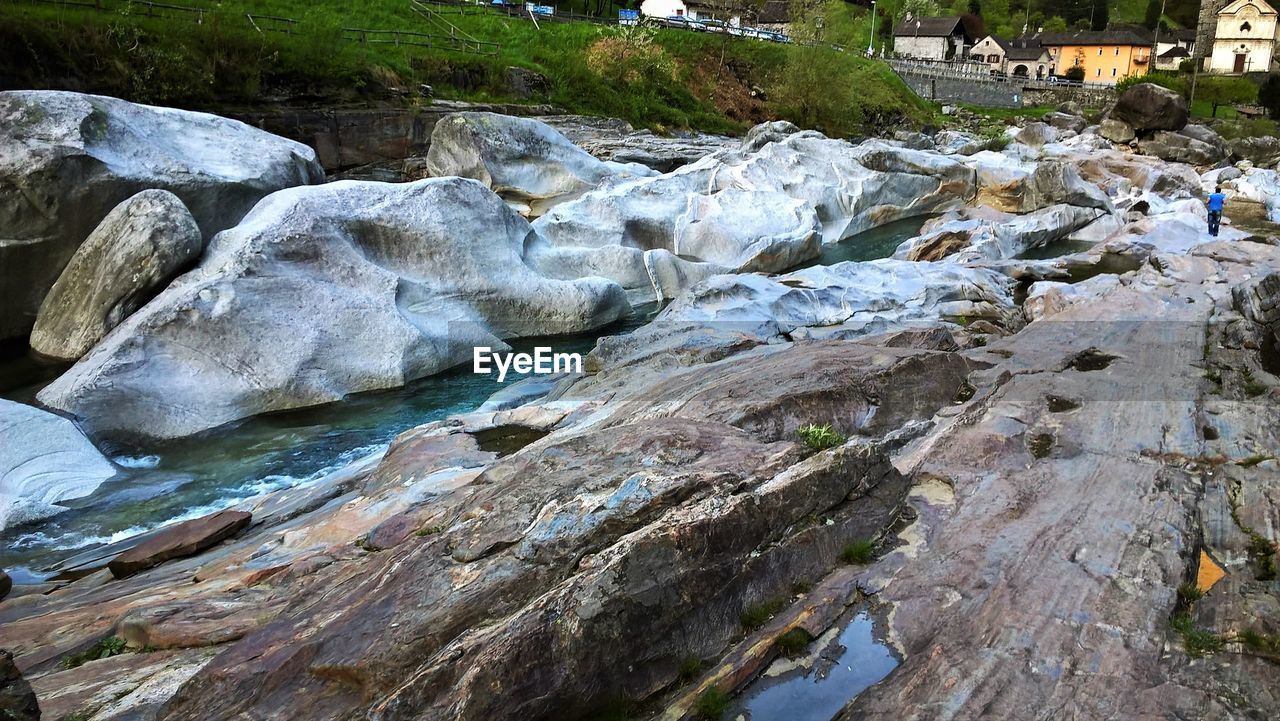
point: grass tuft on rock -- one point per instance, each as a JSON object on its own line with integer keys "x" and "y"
{"x": 104, "y": 648}
{"x": 793, "y": 642}
{"x": 711, "y": 705}
{"x": 820, "y": 438}
{"x": 691, "y": 668}
{"x": 754, "y": 617}
{"x": 859, "y": 553}
{"x": 1196, "y": 641}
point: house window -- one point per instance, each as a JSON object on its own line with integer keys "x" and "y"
{"x": 1099, "y": 74}
{"x": 1117, "y": 51}
{"x": 993, "y": 58}
{"x": 1246, "y": 28}
{"x": 1099, "y": 52}
{"x": 1113, "y": 72}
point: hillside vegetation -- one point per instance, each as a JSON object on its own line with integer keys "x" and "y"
{"x": 657, "y": 78}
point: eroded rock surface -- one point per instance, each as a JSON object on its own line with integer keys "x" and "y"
{"x": 324, "y": 291}
{"x": 137, "y": 249}
{"x": 70, "y": 158}
{"x": 44, "y": 459}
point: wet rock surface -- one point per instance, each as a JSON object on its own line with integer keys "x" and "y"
{"x": 184, "y": 539}
{"x": 44, "y": 459}
{"x": 1027, "y": 460}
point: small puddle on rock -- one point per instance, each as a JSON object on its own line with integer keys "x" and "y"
{"x": 505, "y": 440}
{"x": 850, "y": 664}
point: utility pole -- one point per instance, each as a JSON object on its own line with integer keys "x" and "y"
{"x": 1155, "y": 49}
{"x": 871, "y": 43}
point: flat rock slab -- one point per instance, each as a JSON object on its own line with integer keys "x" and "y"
{"x": 184, "y": 539}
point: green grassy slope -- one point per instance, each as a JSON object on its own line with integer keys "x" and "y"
{"x": 660, "y": 79}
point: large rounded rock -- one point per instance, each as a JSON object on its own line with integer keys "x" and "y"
{"x": 1263, "y": 151}
{"x": 1117, "y": 131}
{"x": 1146, "y": 106}
{"x": 749, "y": 231}
{"x": 138, "y": 248}
{"x": 324, "y": 291}
{"x": 521, "y": 159}
{"x": 69, "y": 158}
{"x": 44, "y": 459}
{"x": 1184, "y": 147}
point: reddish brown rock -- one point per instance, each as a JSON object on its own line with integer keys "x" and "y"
{"x": 183, "y": 539}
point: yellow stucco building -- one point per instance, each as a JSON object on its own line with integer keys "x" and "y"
{"x": 1106, "y": 56}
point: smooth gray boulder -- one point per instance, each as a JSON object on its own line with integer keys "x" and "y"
{"x": 847, "y": 298}
{"x": 1183, "y": 148}
{"x": 525, "y": 161}
{"x": 1066, "y": 121}
{"x": 763, "y": 220}
{"x": 1036, "y": 134}
{"x": 44, "y": 459}
{"x": 980, "y": 233}
{"x": 324, "y": 291}
{"x": 1117, "y": 131}
{"x": 140, "y": 246}
{"x": 69, "y": 158}
{"x": 784, "y": 232}
{"x": 1262, "y": 151}
{"x": 1146, "y": 107}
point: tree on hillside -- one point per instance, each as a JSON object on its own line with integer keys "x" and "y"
{"x": 1055, "y": 24}
{"x": 975, "y": 7}
{"x": 1269, "y": 94}
{"x": 805, "y": 91}
{"x": 1220, "y": 90}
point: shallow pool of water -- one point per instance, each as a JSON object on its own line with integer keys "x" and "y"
{"x": 1057, "y": 249}
{"x": 874, "y": 244}
{"x": 854, "y": 662}
{"x": 164, "y": 482}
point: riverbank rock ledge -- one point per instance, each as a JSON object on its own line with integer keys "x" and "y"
{"x": 140, "y": 246}
{"x": 43, "y": 459}
{"x": 324, "y": 291}
{"x": 69, "y": 158}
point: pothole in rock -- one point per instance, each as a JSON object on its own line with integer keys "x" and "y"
{"x": 505, "y": 440}
{"x": 1040, "y": 445}
{"x": 1209, "y": 432}
{"x": 1058, "y": 404}
{"x": 1091, "y": 359}
{"x": 795, "y": 283}
{"x": 965, "y": 393}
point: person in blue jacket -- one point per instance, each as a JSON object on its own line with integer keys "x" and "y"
{"x": 1216, "y": 201}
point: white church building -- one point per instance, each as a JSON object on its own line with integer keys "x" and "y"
{"x": 1245, "y": 38}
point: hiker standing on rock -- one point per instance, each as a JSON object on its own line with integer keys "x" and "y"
{"x": 1216, "y": 201}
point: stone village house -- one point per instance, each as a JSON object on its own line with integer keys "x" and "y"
{"x": 932, "y": 38}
